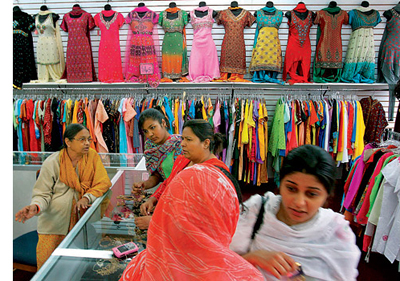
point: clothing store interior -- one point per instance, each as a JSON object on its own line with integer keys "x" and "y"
{"x": 206, "y": 140}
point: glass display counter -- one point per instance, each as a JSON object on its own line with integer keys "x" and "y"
{"x": 86, "y": 252}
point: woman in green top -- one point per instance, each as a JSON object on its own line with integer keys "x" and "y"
{"x": 160, "y": 150}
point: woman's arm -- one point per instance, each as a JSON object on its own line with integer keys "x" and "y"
{"x": 151, "y": 182}
{"x": 277, "y": 264}
{"x": 43, "y": 189}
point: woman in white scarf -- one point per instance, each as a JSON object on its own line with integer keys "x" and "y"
{"x": 295, "y": 228}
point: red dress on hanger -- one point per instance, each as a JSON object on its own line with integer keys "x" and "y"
{"x": 79, "y": 65}
{"x": 298, "y": 52}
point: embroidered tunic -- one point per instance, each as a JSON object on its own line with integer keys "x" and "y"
{"x": 329, "y": 47}
{"x": 298, "y": 51}
{"x": 374, "y": 118}
{"x": 175, "y": 62}
{"x": 233, "y": 50}
{"x": 359, "y": 65}
{"x": 24, "y": 68}
{"x": 140, "y": 47}
{"x": 203, "y": 61}
{"x": 79, "y": 63}
{"x": 110, "y": 64}
{"x": 267, "y": 54}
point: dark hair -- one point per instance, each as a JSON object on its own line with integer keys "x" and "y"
{"x": 203, "y": 130}
{"x": 154, "y": 114}
{"x": 312, "y": 160}
{"x": 71, "y": 131}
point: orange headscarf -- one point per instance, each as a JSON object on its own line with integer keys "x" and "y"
{"x": 190, "y": 232}
{"x": 93, "y": 176}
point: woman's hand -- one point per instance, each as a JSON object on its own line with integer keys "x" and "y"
{"x": 276, "y": 263}
{"x": 143, "y": 222}
{"x": 26, "y": 213}
{"x": 148, "y": 206}
{"x": 83, "y": 204}
{"x": 138, "y": 187}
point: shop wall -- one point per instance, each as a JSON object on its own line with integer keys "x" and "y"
{"x": 124, "y": 6}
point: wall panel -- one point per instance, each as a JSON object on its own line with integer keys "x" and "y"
{"x": 124, "y": 6}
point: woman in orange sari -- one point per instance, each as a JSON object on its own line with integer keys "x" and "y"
{"x": 195, "y": 218}
{"x": 69, "y": 180}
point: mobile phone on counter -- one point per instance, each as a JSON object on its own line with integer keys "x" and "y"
{"x": 125, "y": 249}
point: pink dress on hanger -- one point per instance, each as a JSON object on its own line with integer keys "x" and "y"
{"x": 203, "y": 61}
{"x": 110, "y": 65}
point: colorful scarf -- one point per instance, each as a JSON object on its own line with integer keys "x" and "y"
{"x": 155, "y": 154}
{"x": 202, "y": 9}
{"x": 334, "y": 10}
{"x": 269, "y": 9}
{"x": 92, "y": 178}
{"x": 76, "y": 11}
{"x": 190, "y": 231}
{"x": 301, "y": 8}
{"x": 108, "y": 13}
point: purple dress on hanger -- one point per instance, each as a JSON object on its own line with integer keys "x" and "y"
{"x": 203, "y": 61}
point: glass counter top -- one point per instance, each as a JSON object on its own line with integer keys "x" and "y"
{"x": 116, "y": 160}
{"x": 86, "y": 252}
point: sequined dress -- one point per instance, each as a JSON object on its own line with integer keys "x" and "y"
{"x": 140, "y": 47}
{"x": 110, "y": 64}
{"x": 174, "y": 52}
{"x": 298, "y": 51}
{"x": 359, "y": 65}
{"x": 24, "y": 68}
{"x": 267, "y": 53}
{"x": 79, "y": 62}
{"x": 203, "y": 61}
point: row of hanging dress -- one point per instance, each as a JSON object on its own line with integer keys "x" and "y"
{"x": 113, "y": 125}
{"x": 336, "y": 125}
{"x": 371, "y": 198}
{"x": 266, "y": 62}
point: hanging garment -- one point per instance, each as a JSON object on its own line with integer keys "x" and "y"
{"x": 50, "y": 53}
{"x": 174, "y": 51}
{"x": 110, "y": 65}
{"x": 328, "y": 62}
{"x": 203, "y": 61}
{"x": 298, "y": 51}
{"x": 389, "y": 57}
{"x": 233, "y": 49}
{"x": 374, "y": 118}
{"x": 140, "y": 47}
{"x": 266, "y": 59}
{"x": 359, "y": 65}
{"x": 79, "y": 64}
{"x": 387, "y": 237}
{"x": 24, "y": 68}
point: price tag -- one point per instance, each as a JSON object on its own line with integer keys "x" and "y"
{"x": 146, "y": 68}
{"x": 145, "y": 176}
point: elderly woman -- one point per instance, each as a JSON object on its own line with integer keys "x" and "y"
{"x": 69, "y": 181}
{"x": 195, "y": 218}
